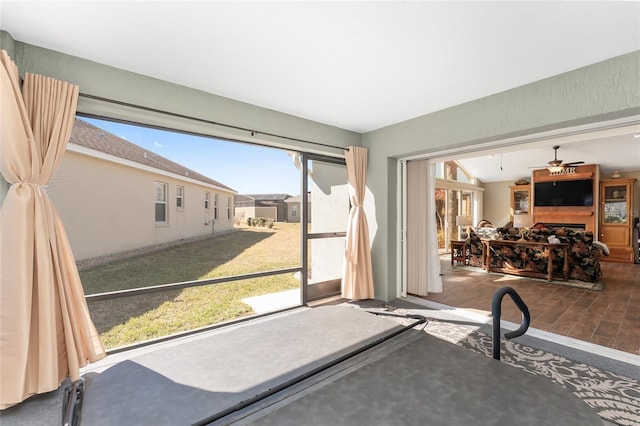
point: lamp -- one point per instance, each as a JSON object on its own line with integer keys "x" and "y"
{"x": 464, "y": 221}
{"x": 523, "y": 222}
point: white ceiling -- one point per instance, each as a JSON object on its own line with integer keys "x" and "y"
{"x": 356, "y": 65}
{"x": 611, "y": 153}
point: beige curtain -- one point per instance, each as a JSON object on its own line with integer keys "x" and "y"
{"x": 45, "y": 329}
{"x": 357, "y": 275}
{"x": 434, "y": 276}
{"x": 423, "y": 260}
{"x": 417, "y": 227}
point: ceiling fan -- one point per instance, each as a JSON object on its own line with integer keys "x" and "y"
{"x": 556, "y": 165}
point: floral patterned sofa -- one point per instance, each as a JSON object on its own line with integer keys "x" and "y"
{"x": 584, "y": 256}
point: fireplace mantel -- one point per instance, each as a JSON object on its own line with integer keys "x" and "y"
{"x": 583, "y": 215}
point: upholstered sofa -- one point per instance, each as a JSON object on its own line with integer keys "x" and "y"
{"x": 584, "y": 256}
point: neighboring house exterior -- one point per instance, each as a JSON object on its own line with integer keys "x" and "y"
{"x": 294, "y": 212}
{"x": 114, "y": 196}
{"x": 270, "y": 206}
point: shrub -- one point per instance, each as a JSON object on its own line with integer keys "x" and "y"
{"x": 262, "y": 222}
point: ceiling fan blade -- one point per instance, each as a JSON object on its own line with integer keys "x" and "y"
{"x": 556, "y": 162}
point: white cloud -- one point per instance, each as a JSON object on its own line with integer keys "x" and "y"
{"x": 157, "y": 144}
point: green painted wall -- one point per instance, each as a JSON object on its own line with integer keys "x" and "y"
{"x": 112, "y": 83}
{"x": 596, "y": 93}
{"x": 599, "y": 92}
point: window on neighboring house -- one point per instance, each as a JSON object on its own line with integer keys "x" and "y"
{"x": 229, "y": 208}
{"x": 180, "y": 197}
{"x": 161, "y": 202}
{"x": 207, "y": 197}
{"x": 294, "y": 211}
{"x": 215, "y": 206}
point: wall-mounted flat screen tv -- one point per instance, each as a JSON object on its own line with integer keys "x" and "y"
{"x": 564, "y": 193}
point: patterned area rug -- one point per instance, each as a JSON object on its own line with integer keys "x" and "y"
{"x": 614, "y": 397}
{"x": 599, "y": 286}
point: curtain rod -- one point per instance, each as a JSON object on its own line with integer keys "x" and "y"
{"x": 202, "y": 120}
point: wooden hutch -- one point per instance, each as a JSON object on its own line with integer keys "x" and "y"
{"x": 616, "y": 218}
{"x": 520, "y": 200}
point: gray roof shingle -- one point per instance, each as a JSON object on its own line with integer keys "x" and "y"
{"x": 90, "y": 136}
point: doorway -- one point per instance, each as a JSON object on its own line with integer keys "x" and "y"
{"x": 325, "y": 209}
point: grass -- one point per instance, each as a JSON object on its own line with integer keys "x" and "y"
{"x": 134, "y": 319}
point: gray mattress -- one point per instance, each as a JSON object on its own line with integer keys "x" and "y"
{"x": 411, "y": 379}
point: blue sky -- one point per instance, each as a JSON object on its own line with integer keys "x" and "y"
{"x": 248, "y": 169}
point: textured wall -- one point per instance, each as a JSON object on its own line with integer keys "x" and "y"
{"x": 602, "y": 91}
{"x": 108, "y": 82}
{"x": 599, "y": 92}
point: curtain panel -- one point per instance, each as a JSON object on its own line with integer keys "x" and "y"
{"x": 423, "y": 260}
{"x": 417, "y": 227}
{"x": 357, "y": 276}
{"x": 434, "y": 270}
{"x": 45, "y": 328}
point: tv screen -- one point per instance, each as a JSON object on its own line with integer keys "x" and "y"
{"x": 564, "y": 193}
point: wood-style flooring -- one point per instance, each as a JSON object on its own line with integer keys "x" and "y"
{"x": 609, "y": 318}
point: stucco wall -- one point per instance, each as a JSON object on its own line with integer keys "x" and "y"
{"x": 330, "y": 209}
{"x": 596, "y": 93}
{"x": 599, "y": 92}
{"x": 109, "y": 208}
{"x": 298, "y": 206}
{"x": 291, "y": 206}
{"x": 113, "y": 83}
{"x": 243, "y": 213}
{"x": 267, "y": 212}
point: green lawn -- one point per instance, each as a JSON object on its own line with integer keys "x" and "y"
{"x": 133, "y": 319}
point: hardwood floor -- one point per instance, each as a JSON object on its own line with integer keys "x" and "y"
{"x": 609, "y": 318}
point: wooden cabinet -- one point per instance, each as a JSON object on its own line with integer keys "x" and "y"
{"x": 520, "y": 200}
{"x": 616, "y": 218}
